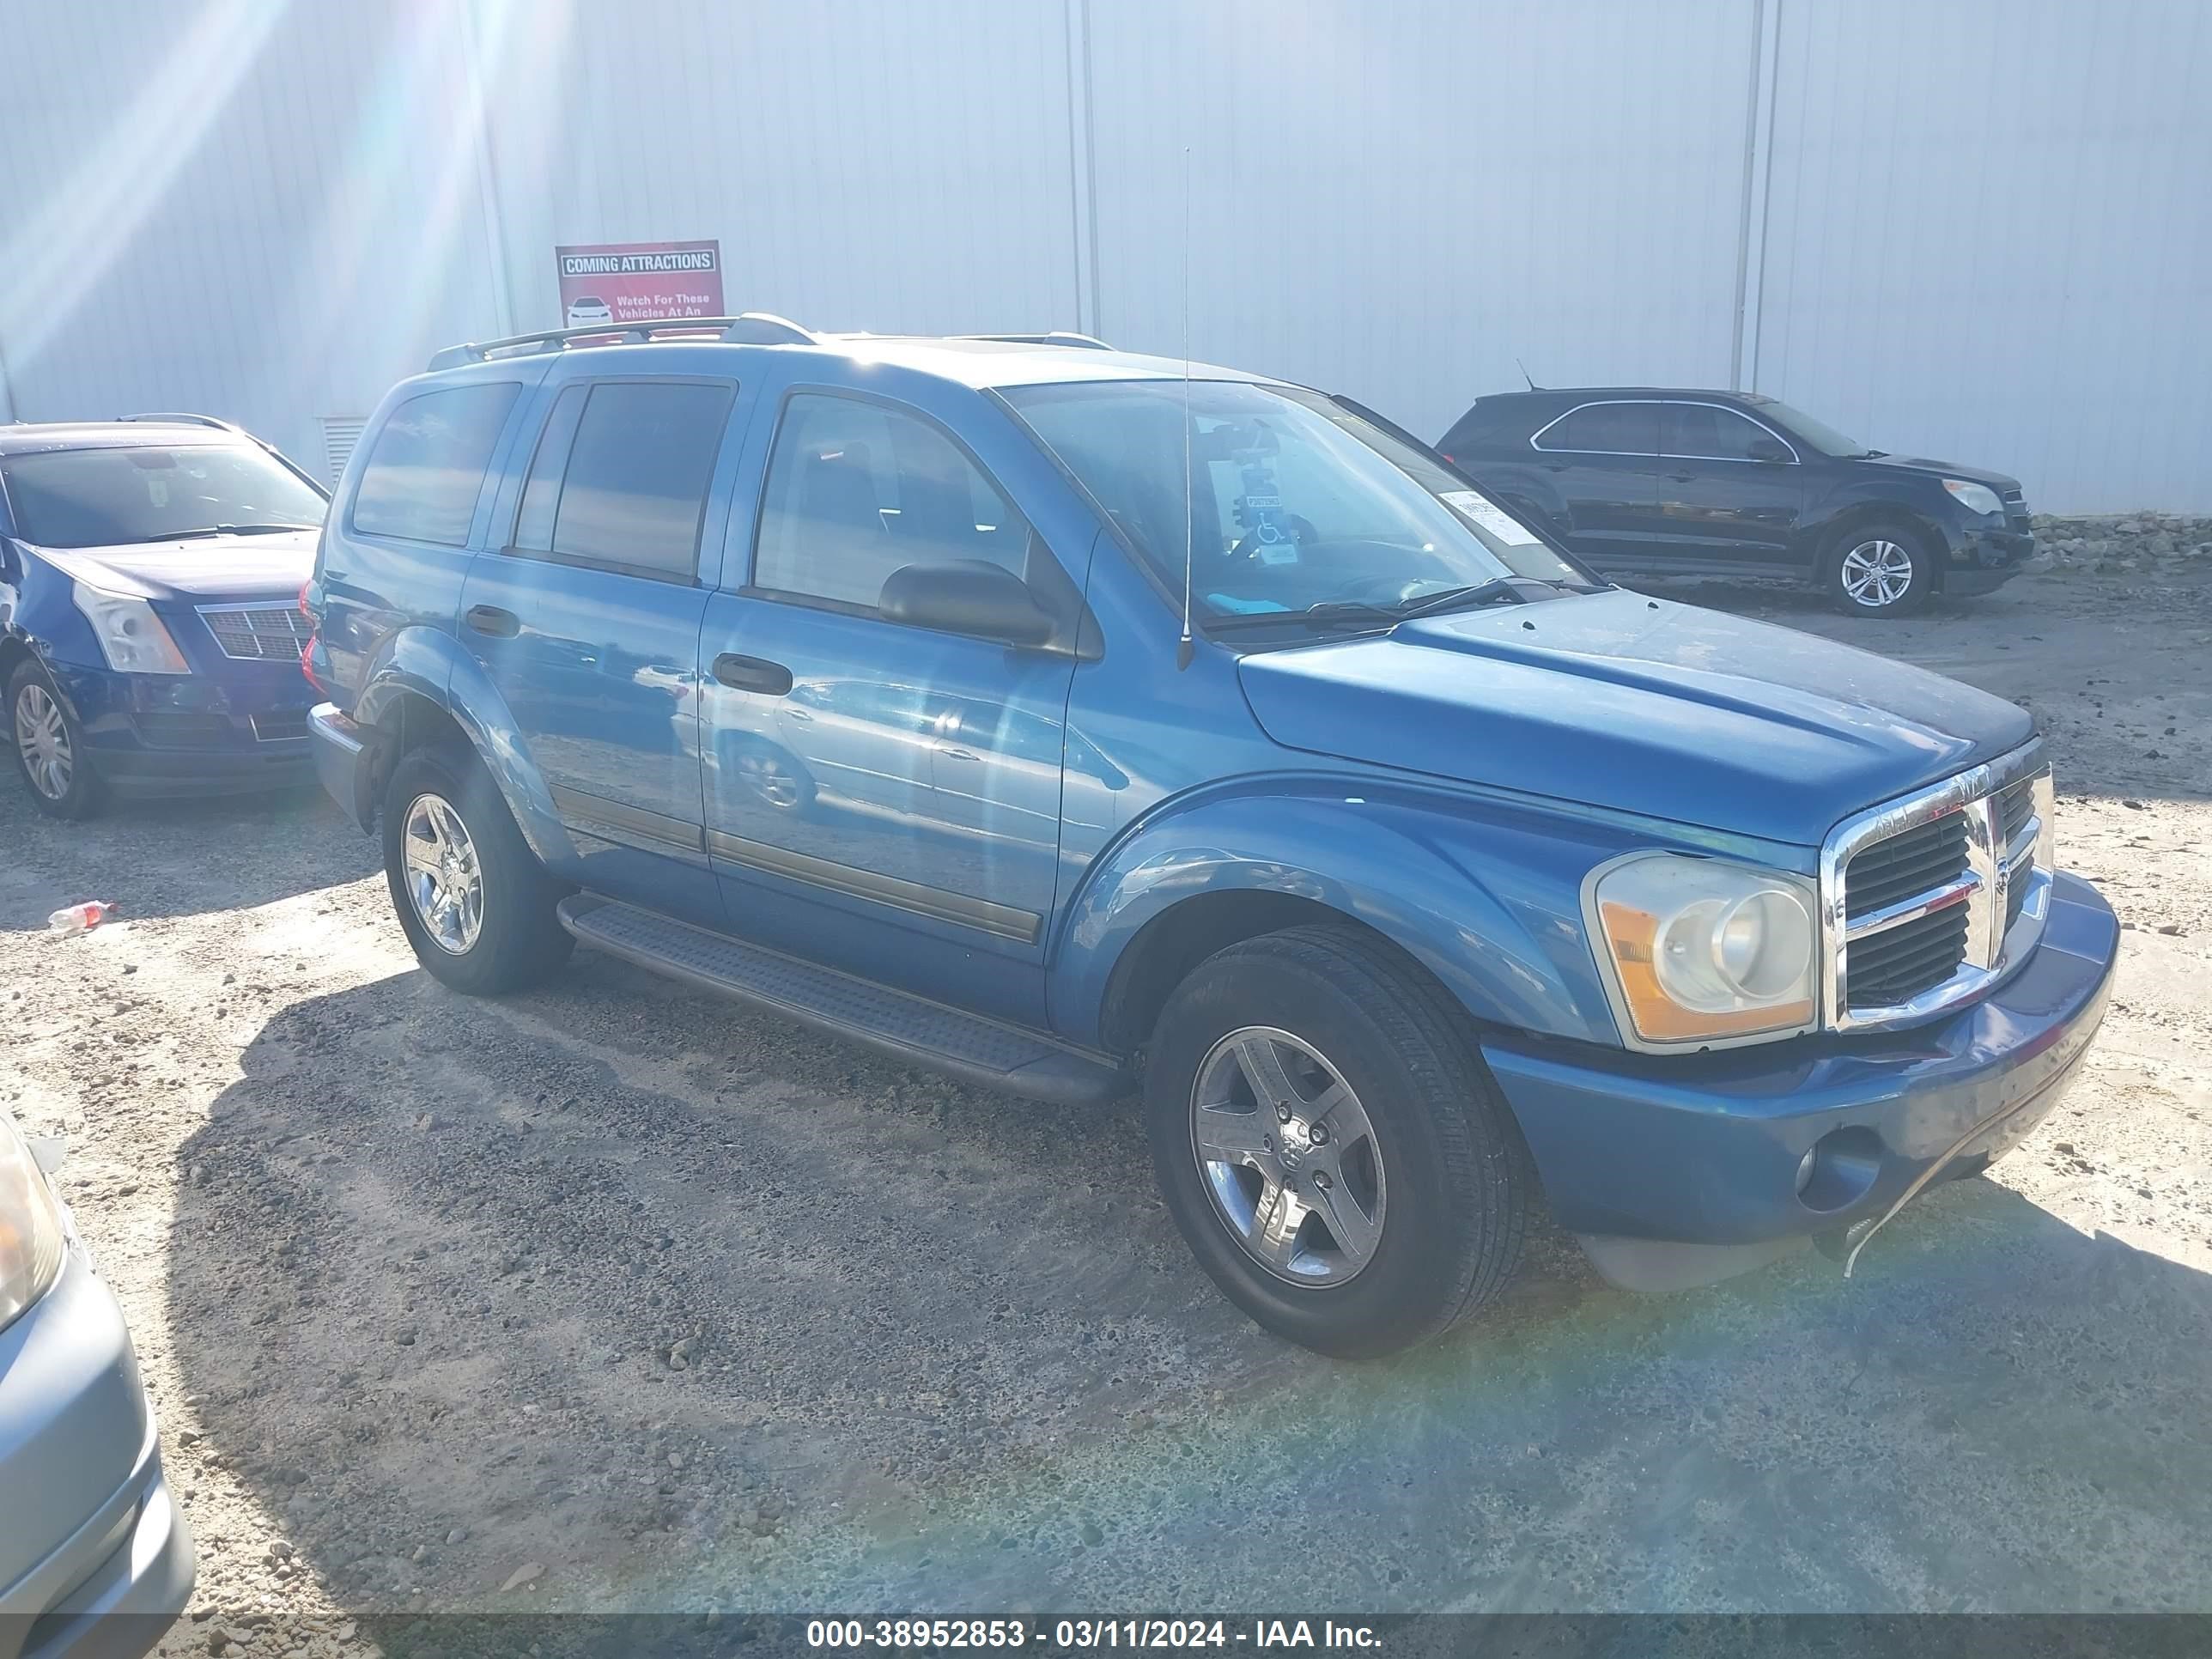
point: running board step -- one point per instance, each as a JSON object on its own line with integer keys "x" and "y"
{"x": 907, "y": 1027}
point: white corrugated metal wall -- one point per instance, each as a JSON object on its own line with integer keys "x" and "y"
{"x": 1974, "y": 228}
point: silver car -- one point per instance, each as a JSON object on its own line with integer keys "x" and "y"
{"x": 95, "y": 1560}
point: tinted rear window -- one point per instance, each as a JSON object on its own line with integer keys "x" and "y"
{"x": 621, "y": 475}
{"x": 422, "y": 479}
{"x": 1606, "y": 429}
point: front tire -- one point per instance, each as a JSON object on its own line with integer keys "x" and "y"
{"x": 1882, "y": 570}
{"x": 474, "y": 902}
{"x": 1330, "y": 1145}
{"x": 49, "y": 747}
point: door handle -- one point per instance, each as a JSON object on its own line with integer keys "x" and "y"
{"x": 752, "y": 674}
{"x": 795, "y": 713}
{"x": 1683, "y": 478}
{"x": 958, "y": 754}
{"x": 490, "y": 619}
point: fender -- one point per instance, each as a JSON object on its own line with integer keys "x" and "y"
{"x": 1484, "y": 893}
{"x": 425, "y": 662}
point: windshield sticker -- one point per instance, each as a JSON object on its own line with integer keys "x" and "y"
{"x": 1478, "y": 509}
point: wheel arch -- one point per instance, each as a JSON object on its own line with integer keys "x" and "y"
{"x": 1836, "y": 534}
{"x": 1195, "y": 881}
{"x": 424, "y": 688}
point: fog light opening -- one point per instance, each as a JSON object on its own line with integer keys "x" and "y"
{"x": 1839, "y": 1170}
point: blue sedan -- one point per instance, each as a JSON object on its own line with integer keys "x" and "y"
{"x": 149, "y": 625}
{"x": 96, "y": 1558}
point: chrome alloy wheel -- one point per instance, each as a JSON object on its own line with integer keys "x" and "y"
{"x": 1288, "y": 1156}
{"x": 1877, "y": 574}
{"x": 42, "y": 739}
{"x": 443, "y": 879}
{"x": 769, "y": 778}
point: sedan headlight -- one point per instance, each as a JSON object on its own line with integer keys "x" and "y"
{"x": 1699, "y": 952}
{"x": 131, "y": 636}
{"x": 1975, "y": 498}
{"x": 30, "y": 1227}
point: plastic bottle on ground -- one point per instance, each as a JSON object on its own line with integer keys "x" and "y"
{"x": 79, "y": 918}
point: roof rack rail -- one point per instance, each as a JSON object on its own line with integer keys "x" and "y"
{"x": 177, "y": 417}
{"x": 1059, "y": 337}
{"x": 747, "y": 328}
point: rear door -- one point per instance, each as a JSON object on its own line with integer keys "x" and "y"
{"x": 1601, "y": 459}
{"x": 1731, "y": 489}
{"x": 586, "y": 618}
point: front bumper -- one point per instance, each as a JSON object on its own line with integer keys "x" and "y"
{"x": 189, "y": 734}
{"x": 1704, "y": 1150}
{"x": 1979, "y": 559}
{"x": 95, "y": 1560}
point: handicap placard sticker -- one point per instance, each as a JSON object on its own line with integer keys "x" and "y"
{"x": 1478, "y": 509}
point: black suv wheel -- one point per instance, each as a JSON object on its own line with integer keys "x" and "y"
{"x": 476, "y": 904}
{"x": 1882, "y": 570}
{"x": 1330, "y": 1144}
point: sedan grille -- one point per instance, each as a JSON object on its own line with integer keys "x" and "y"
{"x": 259, "y": 633}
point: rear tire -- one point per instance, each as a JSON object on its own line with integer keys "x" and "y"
{"x": 473, "y": 898}
{"x": 50, "y": 753}
{"x": 1881, "y": 569}
{"x": 1425, "y": 1151}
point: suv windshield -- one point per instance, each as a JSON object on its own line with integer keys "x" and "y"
{"x": 1294, "y": 501}
{"x": 1822, "y": 436}
{"x": 152, "y": 493}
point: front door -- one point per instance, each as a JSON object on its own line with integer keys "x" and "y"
{"x": 1730, "y": 490}
{"x": 881, "y": 797}
{"x": 588, "y": 622}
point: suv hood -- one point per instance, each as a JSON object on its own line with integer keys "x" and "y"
{"x": 1921, "y": 467}
{"x": 205, "y": 567}
{"x": 1637, "y": 705}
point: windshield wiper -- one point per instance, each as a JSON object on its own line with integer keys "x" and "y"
{"x": 235, "y": 529}
{"x": 1326, "y": 613}
{"x": 1462, "y": 599}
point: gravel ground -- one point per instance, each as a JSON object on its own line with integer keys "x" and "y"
{"x": 610, "y": 1296}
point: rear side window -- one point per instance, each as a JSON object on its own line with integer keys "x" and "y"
{"x": 620, "y": 476}
{"x": 1606, "y": 429}
{"x": 1704, "y": 432}
{"x": 421, "y": 478}
{"x": 856, "y": 490}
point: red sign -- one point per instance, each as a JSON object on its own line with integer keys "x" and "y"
{"x": 639, "y": 281}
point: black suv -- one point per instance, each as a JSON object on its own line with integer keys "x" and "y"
{"x": 1661, "y": 481}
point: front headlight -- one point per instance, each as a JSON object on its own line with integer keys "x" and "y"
{"x": 30, "y": 1227}
{"x": 131, "y": 636}
{"x": 1702, "y": 951}
{"x": 1975, "y": 498}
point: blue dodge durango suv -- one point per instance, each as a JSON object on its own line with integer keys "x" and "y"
{"x": 150, "y": 635}
{"x": 1073, "y": 721}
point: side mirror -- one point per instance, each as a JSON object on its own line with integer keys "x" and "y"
{"x": 1766, "y": 449}
{"x": 967, "y": 596}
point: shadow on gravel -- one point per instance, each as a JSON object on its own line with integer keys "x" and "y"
{"x": 174, "y": 858}
{"x": 684, "y": 1308}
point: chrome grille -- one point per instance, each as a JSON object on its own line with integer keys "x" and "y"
{"x": 259, "y": 633}
{"x": 1929, "y": 901}
{"x": 1912, "y": 862}
{"x": 1898, "y": 965}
